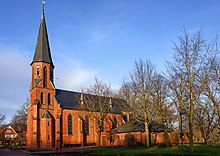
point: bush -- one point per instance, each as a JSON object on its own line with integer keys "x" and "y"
{"x": 153, "y": 141}
{"x": 177, "y": 138}
{"x": 129, "y": 139}
{"x": 166, "y": 139}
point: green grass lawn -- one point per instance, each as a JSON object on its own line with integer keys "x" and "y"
{"x": 199, "y": 149}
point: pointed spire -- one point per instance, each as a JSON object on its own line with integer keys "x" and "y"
{"x": 42, "y": 50}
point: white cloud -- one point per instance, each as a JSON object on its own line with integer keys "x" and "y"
{"x": 75, "y": 79}
{"x": 14, "y": 85}
{"x": 70, "y": 74}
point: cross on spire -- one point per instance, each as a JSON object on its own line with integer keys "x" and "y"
{"x": 43, "y": 2}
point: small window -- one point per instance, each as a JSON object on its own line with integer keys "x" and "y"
{"x": 41, "y": 97}
{"x": 48, "y": 123}
{"x": 48, "y": 137}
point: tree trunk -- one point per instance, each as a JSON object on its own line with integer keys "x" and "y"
{"x": 191, "y": 133}
{"x": 147, "y": 134}
{"x": 206, "y": 142}
{"x": 99, "y": 139}
{"x": 180, "y": 129}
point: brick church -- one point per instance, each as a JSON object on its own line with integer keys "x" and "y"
{"x": 55, "y": 116}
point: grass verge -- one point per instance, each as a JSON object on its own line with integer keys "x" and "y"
{"x": 199, "y": 149}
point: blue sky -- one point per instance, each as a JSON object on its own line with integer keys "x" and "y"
{"x": 93, "y": 38}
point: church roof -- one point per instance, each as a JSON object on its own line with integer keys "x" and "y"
{"x": 133, "y": 126}
{"x": 71, "y": 100}
{"x": 68, "y": 99}
{"x": 42, "y": 50}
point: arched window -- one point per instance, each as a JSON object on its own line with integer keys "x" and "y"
{"x": 41, "y": 97}
{"x": 114, "y": 124}
{"x": 69, "y": 124}
{"x": 48, "y": 99}
{"x": 45, "y": 78}
{"x": 87, "y": 125}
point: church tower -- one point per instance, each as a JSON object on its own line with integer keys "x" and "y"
{"x": 42, "y": 64}
{"x": 40, "y": 126}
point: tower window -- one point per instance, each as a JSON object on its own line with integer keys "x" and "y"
{"x": 38, "y": 71}
{"x": 48, "y": 137}
{"x": 48, "y": 99}
{"x": 45, "y": 78}
{"x": 70, "y": 124}
{"x": 42, "y": 98}
{"x": 48, "y": 123}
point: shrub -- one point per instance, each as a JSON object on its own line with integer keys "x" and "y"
{"x": 153, "y": 141}
{"x": 166, "y": 139}
{"x": 129, "y": 139}
{"x": 177, "y": 138}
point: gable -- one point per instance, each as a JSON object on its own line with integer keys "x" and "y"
{"x": 8, "y": 130}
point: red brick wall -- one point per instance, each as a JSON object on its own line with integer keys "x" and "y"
{"x": 118, "y": 139}
{"x": 78, "y": 137}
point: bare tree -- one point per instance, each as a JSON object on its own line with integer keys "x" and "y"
{"x": 205, "y": 119}
{"x": 97, "y": 102}
{"x": 211, "y": 81}
{"x": 19, "y": 120}
{"x": 188, "y": 61}
{"x": 207, "y": 114}
{"x": 138, "y": 94}
{"x": 165, "y": 112}
{"x": 2, "y": 118}
{"x": 177, "y": 94}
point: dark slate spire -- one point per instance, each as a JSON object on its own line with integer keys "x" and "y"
{"x": 42, "y": 50}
